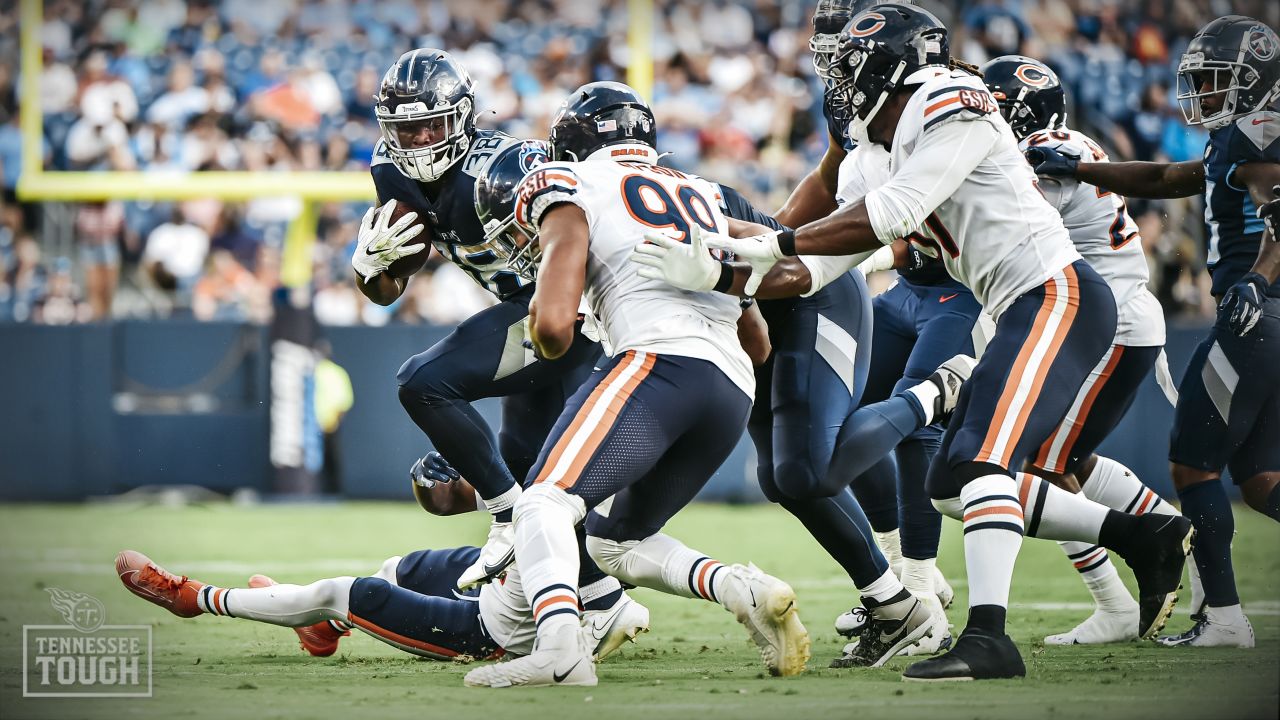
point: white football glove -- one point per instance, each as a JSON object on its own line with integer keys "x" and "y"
{"x": 378, "y": 245}
{"x": 761, "y": 252}
{"x": 881, "y": 259}
{"x": 687, "y": 266}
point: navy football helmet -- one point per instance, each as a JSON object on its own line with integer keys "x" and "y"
{"x": 495, "y": 196}
{"x": 598, "y": 115}
{"x": 1236, "y": 57}
{"x": 882, "y": 49}
{"x": 426, "y": 87}
{"x": 829, "y": 20}
{"x": 1028, "y": 92}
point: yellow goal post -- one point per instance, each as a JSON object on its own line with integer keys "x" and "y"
{"x": 37, "y": 184}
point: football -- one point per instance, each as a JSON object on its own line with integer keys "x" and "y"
{"x": 407, "y": 266}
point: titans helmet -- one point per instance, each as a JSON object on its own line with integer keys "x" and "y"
{"x": 1028, "y": 92}
{"x": 495, "y": 196}
{"x": 426, "y": 87}
{"x": 1236, "y": 57}
{"x": 598, "y": 115}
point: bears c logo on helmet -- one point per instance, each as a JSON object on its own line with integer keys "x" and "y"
{"x": 1261, "y": 43}
{"x": 867, "y": 24}
{"x": 1032, "y": 75}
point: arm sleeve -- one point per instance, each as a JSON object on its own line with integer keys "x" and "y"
{"x": 942, "y": 159}
{"x": 824, "y": 269}
{"x": 544, "y": 188}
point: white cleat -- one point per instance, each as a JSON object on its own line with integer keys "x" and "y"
{"x": 939, "y": 637}
{"x": 767, "y": 606}
{"x": 562, "y": 659}
{"x": 1103, "y": 626}
{"x": 1212, "y": 630}
{"x": 607, "y": 630}
{"x": 942, "y": 589}
{"x": 497, "y": 554}
{"x": 850, "y": 622}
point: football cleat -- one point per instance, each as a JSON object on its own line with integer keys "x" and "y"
{"x": 607, "y": 630}
{"x": 158, "y": 586}
{"x": 850, "y": 623}
{"x": 320, "y": 639}
{"x": 939, "y": 638}
{"x": 1211, "y": 631}
{"x": 1103, "y": 626}
{"x": 1157, "y": 557}
{"x": 942, "y": 589}
{"x": 889, "y": 628}
{"x": 562, "y": 659}
{"x": 977, "y": 655}
{"x": 496, "y": 555}
{"x": 767, "y": 607}
{"x": 949, "y": 379}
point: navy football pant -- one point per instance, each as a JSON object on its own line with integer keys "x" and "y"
{"x": 804, "y": 392}
{"x": 485, "y": 357}
{"x": 1045, "y": 345}
{"x": 648, "y": 430}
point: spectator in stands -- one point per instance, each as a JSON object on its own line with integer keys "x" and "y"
{"x": 174, "y": 256}
{"x": 226, "y": 291}
{"x": 181, "y": 101}
{"x": 99, "y": 232}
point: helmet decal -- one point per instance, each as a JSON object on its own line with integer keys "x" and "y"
{"x": 867, "y": 24}
{"x": 1261, "y": 43}
{"x": 532, "y": 154}
{"x": 1032, "y": 75}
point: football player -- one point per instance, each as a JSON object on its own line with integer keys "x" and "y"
{"x": 1031, "y": 99}
{"x": 648, "y": 430}
{"x": 960, "y": 188}
{"x": 428, "y": 159}
{"x": 410, "y": 603}
{"x": 1228, "y": 407}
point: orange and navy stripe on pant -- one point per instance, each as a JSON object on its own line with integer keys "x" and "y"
{"x": 1044, "y": 347}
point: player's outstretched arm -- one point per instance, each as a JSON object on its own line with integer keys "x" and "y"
{"x": 815, "y": 196}
{"x": 1131, "y": 179}
{"x": 553, "y": 312}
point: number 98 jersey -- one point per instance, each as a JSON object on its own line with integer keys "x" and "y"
{"x": 623, "y": 201}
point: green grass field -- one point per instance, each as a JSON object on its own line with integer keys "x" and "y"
{"x": 696, "y": 662}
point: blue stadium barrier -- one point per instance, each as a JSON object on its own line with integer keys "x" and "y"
{"x": 95, "y": 410}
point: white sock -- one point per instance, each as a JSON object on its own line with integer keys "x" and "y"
{"x": 502, "y": 502}
{"x": 891, "y": 547}
{"x": 917, "y": 575}
{"x": 661, "y": 562}
{"x": 1055, "y": 514}
{"x": 927, "y": 393}
{"x": 992, "y": 537}
{"x": 547, "y": 554}
{"x": 1227, "y": 615}
{"x": 598, "y": 589}
{"x": 286, "y": 605}
{"x": 884, "y": 588}
{"x": 1099, "y": 575}
{"x": 1117, "y": 487}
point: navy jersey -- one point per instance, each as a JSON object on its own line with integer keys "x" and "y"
{"x": 450, "y": 212}
{"x": 1230, "y": 216}
{"x": 837, "y": 132}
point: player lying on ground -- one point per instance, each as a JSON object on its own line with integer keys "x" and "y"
{"x": 410, "y": 603}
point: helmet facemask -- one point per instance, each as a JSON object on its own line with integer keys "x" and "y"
{"x": 511, "y": 243}
{"x": 1222, "y": 77}
{"x": 862, "y": 78}
{"x": 427, "y": 162}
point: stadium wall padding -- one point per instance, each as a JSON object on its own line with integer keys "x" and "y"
{"x": 94, "y": 410}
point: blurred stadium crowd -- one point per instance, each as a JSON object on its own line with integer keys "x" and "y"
{"x": 269, "y": 85}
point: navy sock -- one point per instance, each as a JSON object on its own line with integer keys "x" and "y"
{"x": 461, "y": 435}
{"x": 868, "y": 435}
{"x": 877, "y": 493}
{"x": 840, "y": 527}
{"x": 920, "y": 521}
{"x": 1273, "y": 504}
{"x": 1207, "y": 507}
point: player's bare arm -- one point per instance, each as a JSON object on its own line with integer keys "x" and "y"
{"x": 1131, "y": 179}
{"x": 753, "y": 333}
{"x": 1261, "y": 179}
{"x": 815, "y": 196}
{"x": 553, "y": 312}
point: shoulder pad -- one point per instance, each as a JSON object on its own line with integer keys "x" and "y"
{"x": 380, "y": 155}
{"x": 948, "y": 98}
{"x": 1262, "y": 130}
{"x": 549, "y": 184}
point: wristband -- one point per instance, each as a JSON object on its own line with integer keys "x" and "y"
{"x": 787, "y": 242}
{"x": 726, "y": 278}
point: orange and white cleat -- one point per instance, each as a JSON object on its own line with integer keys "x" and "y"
{"x": 320, "y": 639}
{"x": 158, "y": 586}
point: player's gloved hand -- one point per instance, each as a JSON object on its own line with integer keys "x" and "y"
{"x": 1269, "y": 213}
{"x": 687, "y": 266}
{"x": 381, "y": 244}
{"x": 1047, "y": 161}
{"x": 1241, "y": 307}
{"x": 431, "y": 469}
{"x": 761, "y": 252}
{"x": 881, "y": 259}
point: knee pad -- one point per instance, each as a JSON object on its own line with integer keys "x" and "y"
{"x": 796, "y": 480}
{"x": 390, "y": 570}
{"x": 951, "y": 507}
{"x": 546, "y": 496}
{"x": 609, "y": 554}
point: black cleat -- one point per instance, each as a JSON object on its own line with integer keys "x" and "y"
{"x": 977, "y": 655}
{"x": 889, "y": 628}
{"x": 1157, "y": 556}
